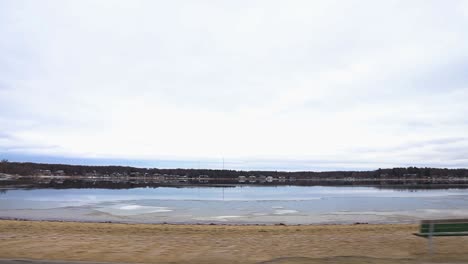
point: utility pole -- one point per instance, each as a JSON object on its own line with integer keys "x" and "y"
{"x": 223, "y": 186}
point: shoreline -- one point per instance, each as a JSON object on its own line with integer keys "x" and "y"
{"x": 192, "y": 243}
{"x": 192, "y": 223}
{"x": 6, "y": 219}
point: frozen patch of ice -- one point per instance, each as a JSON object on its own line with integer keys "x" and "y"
{"x": 381, "y": 213}
{"x": 132, "y": 209}
{"x": 283, "y": 212}
{"x": 446, "y": 212}
{"x": 259, "y": 214}
{"x": 217, "y": 218}
{"x": 226, "y": 216}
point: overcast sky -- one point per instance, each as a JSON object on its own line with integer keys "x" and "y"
{"x": 294, "y": 85}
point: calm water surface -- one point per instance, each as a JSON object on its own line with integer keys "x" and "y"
{"x": 241, "y": 204}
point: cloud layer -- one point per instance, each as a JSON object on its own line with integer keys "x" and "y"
{"x": 265, "y": 84}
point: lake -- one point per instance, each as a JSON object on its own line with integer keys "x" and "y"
{"x": 236, "y": 205}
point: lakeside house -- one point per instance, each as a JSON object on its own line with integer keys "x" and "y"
{"x": 44, "y": 173}
{"x": 179, "y": 178}
{"x": 59, "y": 173}
{"x": 135, "y": 174}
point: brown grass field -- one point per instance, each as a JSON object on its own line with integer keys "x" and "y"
{"x": 146, "y": 243}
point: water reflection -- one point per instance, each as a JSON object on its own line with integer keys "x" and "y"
{"x": 128, "y": 183}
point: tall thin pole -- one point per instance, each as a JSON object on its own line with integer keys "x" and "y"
{"x": 223, "y": 186}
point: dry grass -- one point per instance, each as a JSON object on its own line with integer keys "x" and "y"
{"x": 144, "y": 243}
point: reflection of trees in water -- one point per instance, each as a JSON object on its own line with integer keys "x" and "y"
{"x": 128, "y": 184}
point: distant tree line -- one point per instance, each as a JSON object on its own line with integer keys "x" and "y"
{"x": 29, "y": 168}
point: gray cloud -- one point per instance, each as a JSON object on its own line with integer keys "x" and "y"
{"x": 327, "y": 83}
{"x": 4, "y": 135}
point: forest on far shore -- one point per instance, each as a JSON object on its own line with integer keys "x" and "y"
{"x": 31, "y": 169}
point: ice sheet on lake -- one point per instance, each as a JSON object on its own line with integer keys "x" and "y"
{"x": 284, "y": 211}
{"x": 217, "y": 218}
{"x": 132, "y": 209}
{"x": 285, "y": 204}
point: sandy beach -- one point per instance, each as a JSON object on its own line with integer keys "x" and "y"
{"x": 145, "y": 243}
